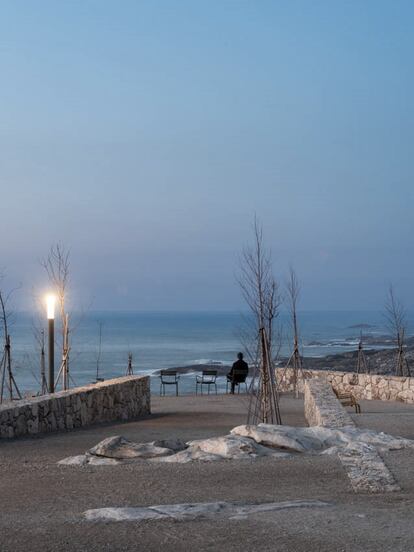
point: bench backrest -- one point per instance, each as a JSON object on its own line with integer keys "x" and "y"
{"x": 209, "y": 375}
{"x": 168, "y": 374}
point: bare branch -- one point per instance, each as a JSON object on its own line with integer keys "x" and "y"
{"x": 99, "y": 350}
{"x": 57, "y": 266}
{"x": 293, "y": 293}
{"x": 295, "y": 361}
{"x": 395, "y": 316}
{"x": 6, "y": 372}
{"x": 258, "y": 285}
{"x": 260, "y": 290}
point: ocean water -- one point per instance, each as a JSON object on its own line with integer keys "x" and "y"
{"x": 165, "y": 339}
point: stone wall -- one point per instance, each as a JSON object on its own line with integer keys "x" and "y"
{"x": 322, "y": 408}
{"x": 362, "y": 386}
{"x": 117, "y": 399}
{"x": 363, "y": 464}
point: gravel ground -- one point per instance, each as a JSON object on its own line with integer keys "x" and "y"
{"x": 42, "y": 503}
{"x": 395, "y": 418}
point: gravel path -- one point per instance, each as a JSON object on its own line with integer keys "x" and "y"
{"x": 42, "y": 503}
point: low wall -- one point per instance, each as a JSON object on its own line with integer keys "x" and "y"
{"x": 364, "y": 466}
{"x": 117, "y": 399}
{"x": 362, "y": 386}
{"x": 322, "y": 408}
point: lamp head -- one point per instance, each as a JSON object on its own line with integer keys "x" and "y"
{"x": 50, "y": 306}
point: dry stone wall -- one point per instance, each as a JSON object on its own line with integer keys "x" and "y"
{"x": 123, "y": 398}
{"x": 362, "y": 386}
{"x": 322, "y": 408}
{"x": 363, "y": 464}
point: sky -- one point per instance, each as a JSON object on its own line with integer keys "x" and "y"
{"x": 145, "y": 136}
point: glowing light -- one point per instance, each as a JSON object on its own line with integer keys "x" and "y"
{"x": 50, "y": 306}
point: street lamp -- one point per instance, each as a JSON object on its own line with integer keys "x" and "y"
{"x": 50, "y": 307}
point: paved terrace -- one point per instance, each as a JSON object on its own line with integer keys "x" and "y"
{"x": 42, "y": 503}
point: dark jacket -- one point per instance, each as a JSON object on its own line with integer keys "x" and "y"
{"x": 242, "y": 370}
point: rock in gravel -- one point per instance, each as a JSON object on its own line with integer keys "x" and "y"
{"x": 188, "y": 455}
{"x": 318, "y": 438}
{"x": 87, "y": 459}
{"x": 222, "y": 448}
{"x": 79, "y": 460}
{"x": 174, "y": 444}
{"x": 197, "y": 510}
{"x": 122, "y": 449}
{"x": 233, "y": 446}
{"x": 244, "y": 442}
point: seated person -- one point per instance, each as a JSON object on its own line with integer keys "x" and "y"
{"x": 238, "y": 372}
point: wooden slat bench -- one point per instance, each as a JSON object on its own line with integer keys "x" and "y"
{"x": 348, "y": 399}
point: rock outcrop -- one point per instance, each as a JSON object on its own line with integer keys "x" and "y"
{"x": 244, "y": 442}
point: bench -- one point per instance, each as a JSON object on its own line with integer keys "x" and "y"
{"x": 348, "y": 399}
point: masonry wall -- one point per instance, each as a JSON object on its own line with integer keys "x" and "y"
{"x": 123, "y": 398}
{"x": 362, "y": 386}
{"x": 322, "y": 408}
{"x": 363, "y": 464}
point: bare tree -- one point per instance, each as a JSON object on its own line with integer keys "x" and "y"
{"x": 6, "y": 373}
{"x": 261, "y": 293}
{"x": 130, "y": 368}
{"x": 396, "y": 321}
{"x": 362, "y": 362}
{"x": 293, "y": 293}
{"x": 295, "y": 361}
{"x": 57, "y": 267}
{"x": 259, "y": 287}
{"x": 99, "y": 352}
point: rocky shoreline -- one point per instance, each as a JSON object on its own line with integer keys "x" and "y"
{"x": 379, "y": 361}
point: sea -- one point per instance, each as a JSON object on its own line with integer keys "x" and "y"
{"x": 158, "y": 340}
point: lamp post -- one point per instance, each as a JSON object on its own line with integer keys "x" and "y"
{"x": 50, "y": 304}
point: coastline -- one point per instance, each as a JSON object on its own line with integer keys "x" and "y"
{"x": 380, "y": 361}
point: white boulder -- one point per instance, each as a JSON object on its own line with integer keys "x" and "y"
{"x": 197, "y": 510}
{"x": 87, "y": 459}
{"x": 122, "y": 449}
{"x": 220, "y": 448}
{"x": 318, "y": 438}
{"x": 244, "y": 442}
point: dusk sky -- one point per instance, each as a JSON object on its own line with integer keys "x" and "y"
{"x": 146, "y": 135}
